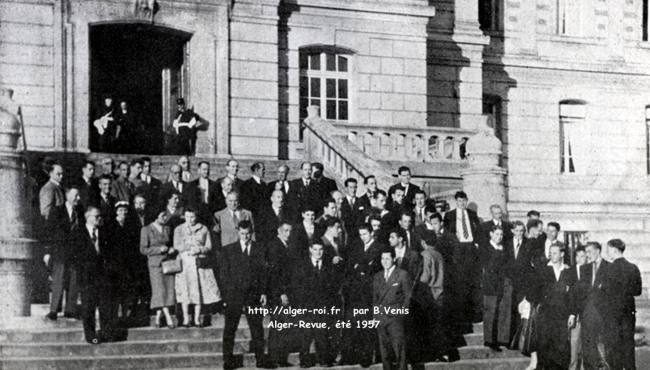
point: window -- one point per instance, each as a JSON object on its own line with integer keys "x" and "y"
{"x": 489, "y": 15}
{"x": 492, "y": 108}
{"x": 324, "y": 81}
{"x": 574, "y": 140}
{"x": 644, "y": 20}
{"x": 569, "y": 17}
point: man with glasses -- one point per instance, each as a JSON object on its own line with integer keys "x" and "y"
{"x": 174, "y": 184}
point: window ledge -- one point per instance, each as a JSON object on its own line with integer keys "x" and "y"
{"x": 574, "y": 39}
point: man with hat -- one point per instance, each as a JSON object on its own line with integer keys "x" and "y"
{"x": 185, "y": 126}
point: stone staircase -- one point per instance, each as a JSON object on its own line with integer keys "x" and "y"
{"x": 34, "y": 343}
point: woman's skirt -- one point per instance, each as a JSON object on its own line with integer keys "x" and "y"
{"x": 196, "y": 285}
{"x": 163, "y": 292}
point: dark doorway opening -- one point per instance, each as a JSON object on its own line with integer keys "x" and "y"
{"x": 145, "y": 66}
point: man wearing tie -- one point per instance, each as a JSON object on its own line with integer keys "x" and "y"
{"x": 63, "y": 223}
{"x": 226, "y": 221}
{"x": 497, "y": 220}
{"x": 281, "y": 183}
{"x": 404, "y": 184}
{"x": 303, "y": 192}
{"x": 104, "y": 201}
{"x": 253, "y": 190}
{"x": 520, "y": 272}
{"x": 174, "y": 185}
{"x": 412, "y": 240}
{"x": 269, "y": 217}
{"x": 243, "y": 277}
{"x": 51, "y": 194}
{"x": 96, "y": 265}
{"x": 576, "y": 342}
{"x": 232, "y": 169}
{"x": 591, "y": 305}
{"x": 352, "y": 209}
{"x": 419, "y": 208}
{"x": 464, "y": 223}
{"x": 202, "y": 194}
{"x": 391, "y": 289}
{"x": 152, "y": 184}
{"x": 87, "y": 184}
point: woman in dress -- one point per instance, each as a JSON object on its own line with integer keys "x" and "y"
{"x": 194, "y": 285}
{"x": 155, "y": 243}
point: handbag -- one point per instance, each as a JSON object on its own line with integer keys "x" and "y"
{"x": 172, "y": 266}
{"x": 202, "y": 261}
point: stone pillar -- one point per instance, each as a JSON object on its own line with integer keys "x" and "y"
{"x": 484, "y": 179}
{"x": 16, "y": 250}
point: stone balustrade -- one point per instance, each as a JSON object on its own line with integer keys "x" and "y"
{"x": 426, "y": 144}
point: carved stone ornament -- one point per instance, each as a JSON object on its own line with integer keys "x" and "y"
{"x": 484, "y": 148}
{"x": 9, "y": 121}
{"x": 146, "y": 9}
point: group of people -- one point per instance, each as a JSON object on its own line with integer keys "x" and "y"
{"x": 402, "y": 278}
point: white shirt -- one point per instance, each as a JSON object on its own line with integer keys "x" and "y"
{"x": 498, "y": 247}
{"x": 399, "y": 252}
{"x": 93, "y": 233}
{"x": 366, "y": 246}
{"x": 257, "y": 179}
{"x": 557, "y": 270}
{"x": 204, "y": 185}
{"x": 388, "y": 272}
{"x": 245, "y": 248}
{"x": 69, "y": 208}
{"x": 276, "y": 210}
{"x": 516, "y": 245}
{"x": 316, "y": 263}
{"x": 547, "y": 247}
{"x": 351, "y": 200}
{"x": 309, "y": 229}
{"x": 459, "y": 226}
{"x": 178, "y": 186}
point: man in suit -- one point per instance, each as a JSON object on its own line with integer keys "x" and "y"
{"x": 104, "y": 201}
{"x": 362, "y": 264}
{"x": 419, "y": 208}
{"x": 352, "y": 209}
{"x": 303, "y": 192}
{"x": 63, "y": 222}
{"x": 397, "y": 202}
{"x": 520, "y": 270}
{"x": 254, "y": 190}
{"x": 304, "y": 233}
{"x": 96, "y": 265}
{"x": 313, "y": 286}
{"x": 87, "y": 184}
{"x": 51, "y": 194}
{"x": 464, "y": 224}
{"x": 243, "y": 284}
{"x": 325, "y": 185}
{"x": 226, "y": 186}
{"x": 370, "y": 183}
{"x": 108, "y": 167}
{"x": 412, "y": 239}
{"x": 225, "y": 221}
{"x": 552, "y": 234}
{"x": 591, "y": 303}
{"x": 623, "y": 285}
{"x": 406, "y": 259}
{"x": 202, "y": 194}
{"x": 121, "y": 187}
{"x": 497, "y": 219}
{"x": 142, "y": 214}
{"x": 328, "y": 212}
{"x": 391, "y": 290}
{"x": 232, "y": 169}
{"x": 186, "y": 168}
{"x": 575, "y": 362}
{"x": 281, "y": 183}
{"x": 409, "y": 189}
{"x": 174, "y": 185}
{"x": 152, "y": 184}
{"x": 269, "y": 217}
{"x": 428, "y": 295}
{"x": 280, "y": 259}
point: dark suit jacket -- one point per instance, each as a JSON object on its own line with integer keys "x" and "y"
{"x": 167, "y": 188}
{"x": 243, "y": 278}
{"x": 87, "y": 192}
{"x": 450, "y": 223}
{"x": 554, "y": 296}
{"x": 280, "y": 261}
{"x": 495, "y": 264}
{"x": 271, "y": 187}
{"x": 300, "y": 196}
{"x": 254, "y": 196}
{"x": 195, "y": 199}
{"x": 521, "y": 268}
{"x": 310, "y": 288}
{"x": 595, "y": 294}
{"x": 325, "y": 186}
{"x": 96, "y": 270}
{"x": 411, "y": 263}
{"x": 353, "y": 214}
{"x": 392, "y": 294}
{"x": 152, "y": 192}
{"x": 266, "y": 223}
{"x": 408, "y": 196}
{"x": 623, "y": 285}
{"x": 106, "y": 207}
{"x": 484, "y": 231}
{"x": 236, "y": 184}
{"x": 360, "y": 271}
{"x": 61, "y": 228}
{"x": 299, "y": 239}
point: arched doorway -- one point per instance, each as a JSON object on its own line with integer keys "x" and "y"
{"x": 146, "y": 67}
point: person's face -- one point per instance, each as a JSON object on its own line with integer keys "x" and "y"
{"x": 121, "y": 213}
{"x": 330, "y": 209}
{"x": 277, "y": 198}
{"x": 88, "y": 171}
{"x": 380, "y": 201}
{"x": 556, "y": 255}
{"x": 173, "y": 201}
{"x": 57, "y": 173}
{"x": 107, "y": 167}
{"x": 136, "y": 170}
{"x": 405, "y": 177}
{"x": 461, "y": 203}
{"x": 123, "y": 105}
{"x": 232, "y": 168}
{"x": 306, "y": 171}
{"x": 181, "y": 107}
{"x": 146, "y": 167}
{"x": 316, "y": 251}
{"x": 245, "y": 235}
{"x": 190, "y": 218}
{"x": 124, "y": 170}
{"x": 365, "y": 236}
{"x": 72, "y": 197}
{"x": 351, "y": 189}
{"x": 420, "y": 199}
{"x": 581, "y": 258}
{"x": 261, "y": 172}
{"x": 375, "y": 224}
{"x": 394, "y": 240}
{"x": 226, "y": 185}
{"x": 161, "y": 219}
{"x": 552, "y": 232}
{"x": 338, "y": 198}
{"x": 518, "y": 232}
{"x": 533, "y": 232}
{"x": 497, "y": 213}
{"x": 232, "y": 201}
{"x": 435, "y": 224}
{"x": 386, "y": 261}
{"x": 105, "y": 186}
{"x": 308, "y": 216}
{"x": 533, "y": 217}
{"x": 284, "y": 232}
{"x": 184, "y": 162}
{"x": 139, "y": 203}
{"x": 496, "y": 236}
{"x": 316, "y": 172}
{"x": 283, "y": 172}
{"x": 592, "y": 253}
{"x": 336, "y": 230}
{"x": 398, "y": 196}
{"x": 405, "y": 222}
{"x": 372, "y": 184}
{"x": 108, "y": 102}
{"x": 94, "y": 218}
{"x": 176, "y": 173}
{"x": 204, "y": 170}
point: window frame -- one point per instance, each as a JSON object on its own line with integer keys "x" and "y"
{"x": 563, "y": 8}
{"x": 566, "y": 160}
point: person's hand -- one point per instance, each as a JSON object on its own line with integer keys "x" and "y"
{"x": 571, "y": 322}
{"x": 284, "y": 299}
{"x": 164, "y": 249}
{"x": 194, "y": 250}
{"x": 171, "y": 250}
{"x": 263, "y": 300}
{"x": 336, "y": 260}
{"x": 46, "y": 259}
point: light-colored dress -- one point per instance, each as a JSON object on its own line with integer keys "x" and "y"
{"x": 152, "y": 239}
{"x": 194, "y": 285}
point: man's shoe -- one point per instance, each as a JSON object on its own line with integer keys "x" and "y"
{"x": 70, "y": 315}
{"x": 51, "y": 316}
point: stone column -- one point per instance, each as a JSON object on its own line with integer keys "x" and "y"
{"x": 484, "y": 179}
{"x": 16, "y": 249}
